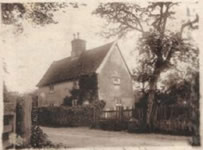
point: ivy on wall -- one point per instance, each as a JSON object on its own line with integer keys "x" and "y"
{"x": 87, "y": 91}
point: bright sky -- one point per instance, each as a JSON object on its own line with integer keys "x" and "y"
{"x": 28, "y": 55}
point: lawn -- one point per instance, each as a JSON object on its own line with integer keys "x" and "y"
{"x": 85, "y": 137}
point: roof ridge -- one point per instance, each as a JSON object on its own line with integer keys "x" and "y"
{"x": 101, "y": 46}
{"x": 56, "y": 61}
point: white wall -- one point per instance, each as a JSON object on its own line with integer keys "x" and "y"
{"x": 55, "y": 97}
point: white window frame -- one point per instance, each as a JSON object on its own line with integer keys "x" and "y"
{"x": 116, "y": 81}
{"x": 51, "y": 88}
{"x": 116, "y": 78}
{"x": 74, "y": 102}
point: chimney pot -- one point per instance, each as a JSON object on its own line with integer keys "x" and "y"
{"x": 78, "y": 46}
{"x": 74, "y": 36}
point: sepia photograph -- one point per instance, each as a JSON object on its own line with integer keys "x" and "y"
{"x": 100, "y": 75}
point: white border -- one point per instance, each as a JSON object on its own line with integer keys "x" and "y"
{"x": 201, "y": 69}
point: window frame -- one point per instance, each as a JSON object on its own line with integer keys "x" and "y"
{"x": 51, "y": 88}
{"x": 116, "y": 78}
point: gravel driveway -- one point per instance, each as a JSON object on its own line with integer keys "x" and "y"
{"x": 85, "y": 137}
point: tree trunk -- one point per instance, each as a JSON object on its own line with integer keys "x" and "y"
{"x": 150, "y": 109}
{"x": 150, "y": 103}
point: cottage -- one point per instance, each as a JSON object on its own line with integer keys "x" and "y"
{"x": 99, "y": 73}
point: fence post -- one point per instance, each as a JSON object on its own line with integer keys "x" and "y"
{"x": 26, "y": 121}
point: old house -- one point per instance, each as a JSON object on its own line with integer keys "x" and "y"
{"x": 99, "y": 73}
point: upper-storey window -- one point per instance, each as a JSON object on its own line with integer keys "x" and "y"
{"x": 116, "y": 78}
{"x": 116, "y": 81}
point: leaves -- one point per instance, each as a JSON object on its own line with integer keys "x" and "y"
{"x": 160, "y": 48}
{"x": 39, "y": 14}
{"x": 125, "y": 17}
{"x": 70, "y": 116}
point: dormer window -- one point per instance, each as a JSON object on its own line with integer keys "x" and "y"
{"x": 51, "y": 88}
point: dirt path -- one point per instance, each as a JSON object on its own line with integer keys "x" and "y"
{"x": 85, "y": 137}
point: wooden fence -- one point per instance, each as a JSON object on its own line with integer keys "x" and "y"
{"x": 9, "y": 127}
{"x": 118, "y": 114}
{"x": 17, "y": 122}
{"x": 173, "y": 119}
{"x": 173, "y": 112}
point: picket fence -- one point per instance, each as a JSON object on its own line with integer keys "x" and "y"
{"x": 118, "y": 114}
{"x": 173, "y": 119}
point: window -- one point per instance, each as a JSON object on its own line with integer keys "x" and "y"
{"x": 6, "y": 120}
{"x": 74, "y": 102}
{"x": 118, "y": 101}
{"x": 116, "y": 78}
{"x": 51, "y": 88}
{"x": 5, "y": 136}
{"x": 116, "y": 81}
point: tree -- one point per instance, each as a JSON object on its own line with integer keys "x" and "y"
{"x": 142, "y": 73}
{"x": 35, "y": 13}
{"x": 161, "y": 46}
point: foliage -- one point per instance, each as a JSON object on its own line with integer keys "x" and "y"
{"x": 134, "y": 125}
{"x": 40, "y": 140}
{"x": 68, "y": 99}
{"x": 161, "y": 48}
{"x": 180, "y": 89}
{"x": 88, "y": 88}
{"x": 125, "y": 17}
{"x": 142, "y": 102}
{"x": 113, "y": 125}
{"x": 142, "y": 74}
{"x": 70, "y": 116}
{"x": 35, "y": 13}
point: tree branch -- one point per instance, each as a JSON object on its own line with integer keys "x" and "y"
{"x": 190, "y": 24}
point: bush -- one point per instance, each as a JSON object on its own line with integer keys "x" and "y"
{"x": 134, "y": 125}
{"x": 39, "y": 139}
{"x": 113, "y": 125}
{"x": 70, "y": 116}
{"x": 67, "y": 101}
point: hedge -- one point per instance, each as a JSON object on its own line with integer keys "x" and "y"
{"x": 70, "y": 116}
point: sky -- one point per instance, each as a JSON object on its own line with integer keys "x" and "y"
{"x": 28, "y": 55}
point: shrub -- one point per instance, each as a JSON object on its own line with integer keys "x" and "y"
{"x": 67, "y": 101}
{"x": 134, "y": 125}
{"x": 70, "y": 116}
{"x": 39, "y": 139}
{"x": 113, "y": 125}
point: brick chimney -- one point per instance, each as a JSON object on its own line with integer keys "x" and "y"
{"x": 78, "y": 46}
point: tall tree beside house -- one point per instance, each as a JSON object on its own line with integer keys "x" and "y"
{"x": 161, "y": 46}
{"x": 142, "y": 74}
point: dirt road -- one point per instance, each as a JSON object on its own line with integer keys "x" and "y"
{"x": 85, "y": 137}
